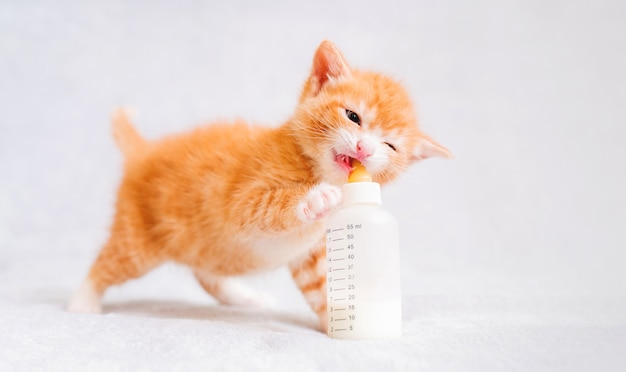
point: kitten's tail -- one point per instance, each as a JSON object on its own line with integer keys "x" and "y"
{"x": 126, "y": 136}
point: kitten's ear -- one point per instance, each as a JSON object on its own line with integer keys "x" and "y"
{"x": 328, "y": 65}
{"x": 427, "y": 147}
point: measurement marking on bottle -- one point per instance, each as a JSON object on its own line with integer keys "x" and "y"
{"x": 340, "y": 229}
{"x": 339, "y": 309}
{"x": 338, "y": 249}
{"x": 339, "y": 269}
{"x": 336, "y": 240}
{"x": 340, "y": 289}
{"x": 338, "y": 279}
{"x": 339, "y": 329}
{"x": 339, "y": 259}
{"x": 339, "y": 299}
{"x": 340, "y": 320}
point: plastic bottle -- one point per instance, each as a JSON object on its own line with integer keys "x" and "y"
{"x": 363, "y": 267}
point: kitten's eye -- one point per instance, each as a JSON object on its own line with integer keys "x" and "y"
{"x": 391, "y": 146}
{"x": 353, "y": 116}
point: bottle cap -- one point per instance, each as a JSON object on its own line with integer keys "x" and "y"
{"x": 360, "y": 188}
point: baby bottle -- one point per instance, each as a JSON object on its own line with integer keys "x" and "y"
{"x": 363, "y": 267}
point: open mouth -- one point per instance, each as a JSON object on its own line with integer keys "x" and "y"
{"x": 344, "y": 161}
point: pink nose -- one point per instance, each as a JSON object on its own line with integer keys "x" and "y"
{"x": 363, "y": 151}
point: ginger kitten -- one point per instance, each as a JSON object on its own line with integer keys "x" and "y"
{"x": 230, "y": 199}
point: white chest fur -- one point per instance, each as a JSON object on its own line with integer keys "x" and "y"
{"x": 280, "y": 249}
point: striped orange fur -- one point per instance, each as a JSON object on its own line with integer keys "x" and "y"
{"x": 230, "y": 199}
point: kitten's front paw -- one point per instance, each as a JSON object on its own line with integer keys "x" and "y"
{"x": 318, "y": 202}
{"x": 323, "y": 321}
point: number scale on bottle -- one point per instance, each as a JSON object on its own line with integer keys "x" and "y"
{"x": 342, "y": 247}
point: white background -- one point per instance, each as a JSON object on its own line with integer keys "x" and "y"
{"x": 530, "y": 96}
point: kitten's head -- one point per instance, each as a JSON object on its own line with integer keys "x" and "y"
{"x": 345, "y": 113}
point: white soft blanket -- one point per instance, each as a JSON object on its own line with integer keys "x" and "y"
{"x": 165, "y": 322}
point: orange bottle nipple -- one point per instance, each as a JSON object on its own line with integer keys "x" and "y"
{"x": 359, "y": 173}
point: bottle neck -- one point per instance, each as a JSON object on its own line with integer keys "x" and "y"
{"x": 361, "y": 192}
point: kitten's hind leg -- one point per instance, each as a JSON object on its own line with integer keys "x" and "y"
{"x": 86, "y": 299}
{"x": 116, "y": 264}
{"x": 230, "y": 291}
